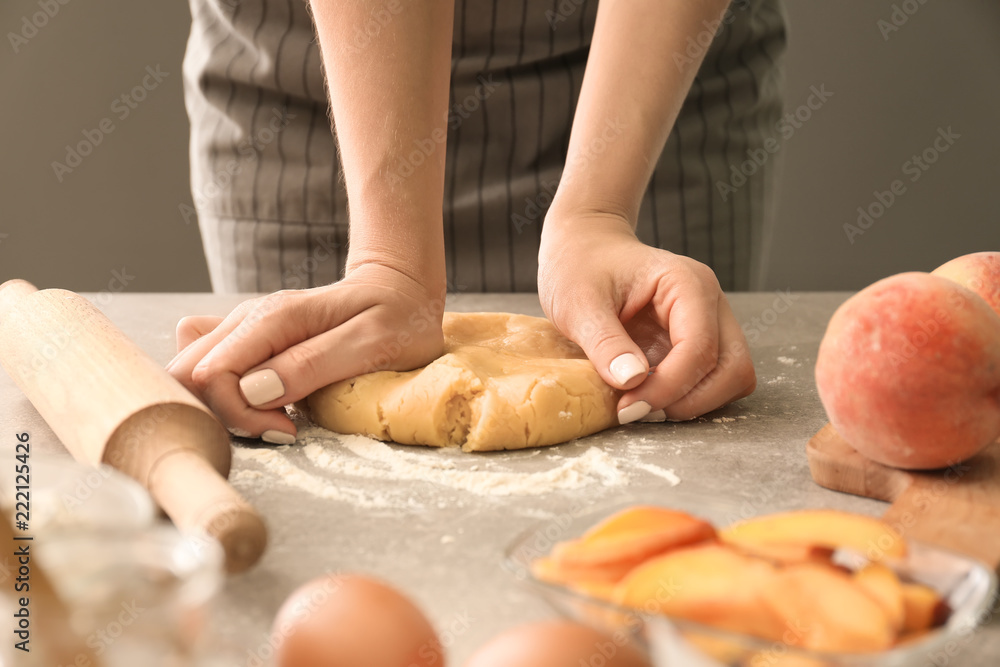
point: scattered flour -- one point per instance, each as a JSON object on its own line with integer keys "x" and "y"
{"x": 788, "y": 361}
{"x": 778, "y": 379}
{"x": 668, "y": 475}
{"x": 275, "y": 462}
{"x": 723, "y": 420}
{"x": 592, "y": 466}
{"x": 245, "y": 476}
{"x": 535, "y": 513}
{"x": 342, "y": 468}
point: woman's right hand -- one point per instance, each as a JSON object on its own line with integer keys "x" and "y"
{"x": 274, "y": 350}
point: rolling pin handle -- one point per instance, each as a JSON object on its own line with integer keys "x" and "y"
{"x": 11, "y": 292}
{"x": 197, "y": 498}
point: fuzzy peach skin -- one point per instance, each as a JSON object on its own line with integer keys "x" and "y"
{"x": 909, "y": 372}
{"x": 979, "y": 272}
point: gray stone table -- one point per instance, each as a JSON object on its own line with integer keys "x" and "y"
{"x": 439, "y": 536}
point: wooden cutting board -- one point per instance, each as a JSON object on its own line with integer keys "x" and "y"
{"x": 957, "y": 508}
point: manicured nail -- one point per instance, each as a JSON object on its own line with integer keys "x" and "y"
{"x": 241, "y": 433}
{"x": 625, "y": 367}
{"x": 277, "y": 437}
{"x": 261, "y": 387}
{"x": 657, "y": 416}
{"x": 631, "y": 413}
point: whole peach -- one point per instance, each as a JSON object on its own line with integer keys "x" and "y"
{"x": 909, "y": 372}
{"x": 979, "y": 272}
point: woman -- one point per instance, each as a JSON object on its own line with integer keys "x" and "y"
{"x": 484, "y": 106}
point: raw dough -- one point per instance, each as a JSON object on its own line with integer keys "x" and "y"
{"x": 504, "y": 382}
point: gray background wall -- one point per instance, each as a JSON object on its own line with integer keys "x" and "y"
{"x": 120, "y": 206}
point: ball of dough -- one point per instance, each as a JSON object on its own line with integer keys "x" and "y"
{"x": 504, "y": 382}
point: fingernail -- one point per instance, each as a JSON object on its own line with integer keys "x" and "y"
{"x": 631, "y": 413}
{"x": 261, "y": 387}
{"x": 625, "y": 367}
{"x": 241, "y": 433}
{"x": 657, "y": 416}
{"x": 277, "y": 437}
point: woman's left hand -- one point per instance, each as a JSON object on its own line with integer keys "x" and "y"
{"x": 633, "y": 308}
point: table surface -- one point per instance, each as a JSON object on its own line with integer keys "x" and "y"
{"x": 441, "y": 541}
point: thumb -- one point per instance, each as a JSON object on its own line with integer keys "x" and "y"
{"x": 618, "y": 360}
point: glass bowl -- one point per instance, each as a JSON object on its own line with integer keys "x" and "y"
{"x": 968, "y": 586}
{"x": 66, "y": 495}
{"x": 135, "y": 597}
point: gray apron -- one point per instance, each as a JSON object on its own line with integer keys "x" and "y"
{"x": 269, "y": 193}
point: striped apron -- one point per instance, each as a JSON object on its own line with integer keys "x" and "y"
{"x": 269, "y": 194}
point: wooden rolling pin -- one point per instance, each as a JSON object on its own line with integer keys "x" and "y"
{"x": 109, "y": 402}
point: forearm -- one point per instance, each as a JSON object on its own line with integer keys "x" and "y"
{"x": 638, "y": 74}
{"x": 389, "y": 98}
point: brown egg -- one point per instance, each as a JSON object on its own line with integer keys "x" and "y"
{"x": 353, "y": 621}
{"x": 557, "y": 644}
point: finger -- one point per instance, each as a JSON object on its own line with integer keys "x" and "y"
{"x": 182, "y": 365}
{"x": 732, "y": 378}
{"x": 693, "y": 323}
{"x": 253, "y": 404}
{"x": 272, "y": 426}
{"x": 351, "y": 349}
{"x": 647, "y": 333}
{"x": 191, "y": 328}
{"x": 601, "y": 335}
{"x": 275, "y": 323}
{"x": 225, "y": 400}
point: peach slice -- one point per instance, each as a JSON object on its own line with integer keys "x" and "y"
{"x": 708, "y": 583}
{"x": 882, "y": 584}
{"x": 600, "y": 590}
{"x": 825, "y": 610}
{"x": 778, "y": 659}
{"x": 550, "y": 570}
{"x": 632, "y": 536}
{"x": 923, "y": 608}
{"x": 826, "y": 528}
{"x": 786, "y": 553}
